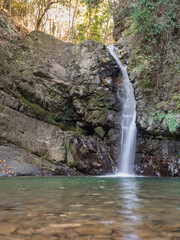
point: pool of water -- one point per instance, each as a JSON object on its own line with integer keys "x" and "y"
{"x": 87, "y": 208}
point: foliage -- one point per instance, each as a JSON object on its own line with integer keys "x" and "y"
{"x": 97, "y": 21}
{"x": 151, "y": 31}
{"x": 177, "y": 99}
{"x": 75, "y": 20}
{"x": 170, "y": 120}
{"x": 153, "y": 22}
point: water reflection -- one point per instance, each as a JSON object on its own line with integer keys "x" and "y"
{"x": 131, "y": 203}
{"x": 89, "y": 208}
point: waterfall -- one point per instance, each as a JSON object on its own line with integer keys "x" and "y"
{"x": 128, "y": 125}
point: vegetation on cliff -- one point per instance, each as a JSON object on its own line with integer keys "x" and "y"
{"x": 150, "y": 31}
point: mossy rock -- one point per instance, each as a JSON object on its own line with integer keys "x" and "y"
{"x": 100, "y": 132}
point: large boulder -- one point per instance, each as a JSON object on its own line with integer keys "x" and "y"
{"x": 40, "y": 138}
{"x": 15, "y": 161}
{"x": 90, "y": 156}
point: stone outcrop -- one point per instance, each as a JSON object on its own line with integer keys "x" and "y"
{"x": 59, "y": 101}
{"x": 89, "y": 155}
{"x": 16, "y": 161}
{"x": 38, "y": 137}
{"x": 157, "y": 157}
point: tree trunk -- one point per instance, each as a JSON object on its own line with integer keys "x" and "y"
{"x": 75, "y": 10}
{"x": 48, "y": 6}
{"x": 5, "y": 4}
{"x": 9, "y": 10}
{"x": 69, "y": 26}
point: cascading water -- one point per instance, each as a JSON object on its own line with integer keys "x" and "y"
{"x": 128, "y": 125}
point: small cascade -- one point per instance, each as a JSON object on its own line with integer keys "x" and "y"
{"x": 128, "y": 125}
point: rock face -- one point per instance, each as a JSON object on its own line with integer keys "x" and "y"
{"x": 157, "y": 157}
{"x": 18, "y": 162}
{"x": 59, "y": 101}
{"x": 89, "y": 155}
{"x": 158, "y": 143}
{"x": 38, "y": 137}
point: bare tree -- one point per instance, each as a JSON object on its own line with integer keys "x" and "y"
{"x": 5, "y": 3}
{"x": 75, "y": 11}
{"x": 48, "y": 5}
{"x": 69, "y": 25}
{"x": 9, "y": 10}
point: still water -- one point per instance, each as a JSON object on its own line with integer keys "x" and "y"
{"x": 87, "y": 208}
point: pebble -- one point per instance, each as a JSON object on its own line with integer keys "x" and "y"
{"x": 117, "y": 238}
{"x": 102, "y": 237}
{"x": 57, "y": 228}
{"x": 48, "y": 230}
{"x": 44, "y": 237}
{"x": 93, "y": 231}
{"x": 83, "y": 238}
{"x": 26, "y": 231}
{"x": 7, "y": 229}
{"x": 89, "y": 222}
{"x": 65, "y": 225}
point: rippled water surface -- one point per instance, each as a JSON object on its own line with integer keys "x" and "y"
{"x": 89, "y": 208}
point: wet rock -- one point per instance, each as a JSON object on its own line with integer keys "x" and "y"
{"x": 157, "y": 157}
{"x": 40, "y": 138}
{"x": 157, "y": 101}
{"x": 90, "y": 156}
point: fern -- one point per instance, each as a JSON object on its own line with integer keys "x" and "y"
{"x": 150, "y": 120}
{"x": 160, "y": 116}
{"x": 170, "y": 120}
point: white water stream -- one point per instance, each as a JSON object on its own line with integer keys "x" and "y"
{"x": 128, "y": 125}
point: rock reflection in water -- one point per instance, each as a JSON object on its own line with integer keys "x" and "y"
{"x": 89, "y": 208}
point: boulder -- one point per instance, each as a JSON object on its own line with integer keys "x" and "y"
{"x": 90, "y": 156}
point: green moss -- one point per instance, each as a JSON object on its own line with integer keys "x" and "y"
{"x": 50, "y": 117}
{"x": 99, "y": 131}
{"x": 47, "y": 116}
{"x": 103, "y": 116}
{"x": 65, "y": 127}
{"x": 35, "y": 106}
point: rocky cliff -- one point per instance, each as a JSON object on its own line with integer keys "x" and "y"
{"x": 152, "y": 59}
{"x": 60, "y": 108}
{"x": 59, "y": 102}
